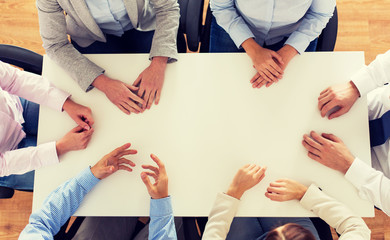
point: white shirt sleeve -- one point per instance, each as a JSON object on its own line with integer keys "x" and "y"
{"x": 23, "y": 160}
{"x": 371, "y": 184}
{"x": 221, "y": 217}
{"x": 336, "y": 214}
{"x": 32, "y": 87}
{"x": 374, "y": 75}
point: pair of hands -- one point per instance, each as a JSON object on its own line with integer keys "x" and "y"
{"x": 269, "y": 64}
{"x": 137, "y": 97}
{"x": 251, "y": 174}
{"x": 79, "y": 137}
{"x": 328, "y": 149}
{"x": 115, "y": 161}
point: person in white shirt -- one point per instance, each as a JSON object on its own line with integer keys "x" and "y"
{"x": 312, "y": 198}
{"x": 19, "y": 120}
{"x": 373, "y": 183}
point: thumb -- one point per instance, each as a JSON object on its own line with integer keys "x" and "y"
{"x": 331, "y": 137}
{"x": 131, "y": 87}
{"x": 338, "y": 113}
{"x": 82, "y": 124}
{"x": 77, "y": 129}
{"x": 278, "y": 57}
{"x": 108, "y": 170}
{"x": 146, "y": 181}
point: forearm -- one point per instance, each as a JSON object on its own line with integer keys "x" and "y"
{"x": 374, "y": 75}
{"x": 162, "y": 225}
{"x": 165, "y": 35}
{"x": 59, "y": 206}
{"x": 23, "y": 160}
{"x": 337, "y": 215}
{"x": 371, "y": 184}
{"x": 221, "y": 217}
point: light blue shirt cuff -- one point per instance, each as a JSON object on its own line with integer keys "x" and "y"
{"x": 86, "y": 179}
{"x": 299, "y": 41}
{"x": 160, "y": 207}
{"x": 240, "y": 32}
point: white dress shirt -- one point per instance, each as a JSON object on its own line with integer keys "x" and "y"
{"x": 373, "y": 183}
{"x": 269, "y": 21}
{"x": 14, "y": 83}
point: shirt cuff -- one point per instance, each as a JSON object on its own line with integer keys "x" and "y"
{"x": 298, "y": 41}
{"x": 86, "y": 179}
{"x": 48, "y": 154}
{"x": 239, "y": 33}
{"x": 57, "y": 98}
{"x": 358, "y": 172}
{"x": 363, "y": 81}
{"x": 160, "y": 207}
{"x": 308, "y": 199}
{"x": 228, "y": 200}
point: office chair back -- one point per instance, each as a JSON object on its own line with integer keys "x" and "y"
{"x": 29, "y": 61}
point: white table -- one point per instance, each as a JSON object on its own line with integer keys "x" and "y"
{"x": 209, "y": 123}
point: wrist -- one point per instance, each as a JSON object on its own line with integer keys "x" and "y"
{"x": 95, "y": 172}
{"x": 60, "y": 148}
{"x": 160, "y": 196}
{"x": 234, "y": 192}
{"x": 250, "y": 46}
{"x": 159, "y": 62}
{"x": 101, "y": 81}
{"x": 348, "y": 162}
{"x": 354, "y": 89}
{"x": 301, "y": 192}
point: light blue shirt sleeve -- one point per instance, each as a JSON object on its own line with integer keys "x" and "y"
{"x": 58, "y": 207}
{"x": 227, "y": 17}
{"x": 162, "y": 224}
{"x": 312, "y": 24}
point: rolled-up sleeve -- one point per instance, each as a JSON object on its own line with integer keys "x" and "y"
{"x": 52, "y": 26}
{"x": 167, "y": 25}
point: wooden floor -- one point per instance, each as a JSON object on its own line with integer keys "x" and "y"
{"x": 364, "y": 25}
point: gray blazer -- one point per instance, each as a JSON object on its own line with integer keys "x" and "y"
{"x": 145, "y": 15}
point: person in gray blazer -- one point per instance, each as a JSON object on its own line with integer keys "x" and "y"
{"x": 112, "y": 26}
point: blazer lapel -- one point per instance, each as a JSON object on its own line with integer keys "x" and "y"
{"x": 132, "y": 11}
{"x": 85, "y": 16}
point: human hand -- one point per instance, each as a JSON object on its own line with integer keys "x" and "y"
{"x": 341, "y": 95}
{"x": 246, "y": 177}
{"x": 150, "y": 82}
{"x": 76, "y": 139}
{"x": 285, "y": 189}
{"x": 113, "y": 162}
{"x": 328, "y": 150}
{"x": 160, "y": 187}
{"x": 287, "y": 52}
{"x": 80, "y": 114}
{"x": 120, "y": 94}
{"x": 266, "y": 62}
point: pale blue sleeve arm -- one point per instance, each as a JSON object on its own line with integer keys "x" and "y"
{"x": 312, "y": 24}
{"x": 162, "y": 224}
{"x": 58, "y": 207}
{"x": 227, "y": 17}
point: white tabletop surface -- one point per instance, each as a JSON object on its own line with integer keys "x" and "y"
{"x": 209, "y": 123}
